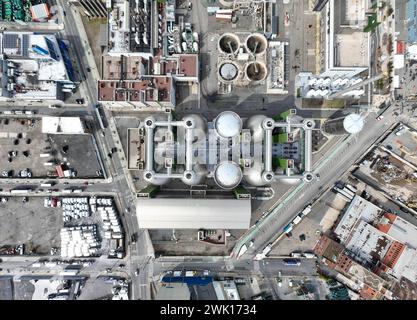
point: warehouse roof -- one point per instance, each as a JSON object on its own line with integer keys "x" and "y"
{"x": 67, "y": 125}
{"x": 164, "y": 213}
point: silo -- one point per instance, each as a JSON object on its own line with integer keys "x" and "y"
{"x": 351, "y": 124}
{"x": 228, "y": 175}
{"x": 228, "y": 124}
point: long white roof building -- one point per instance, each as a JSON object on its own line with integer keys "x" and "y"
{"x": 161, "y": 213}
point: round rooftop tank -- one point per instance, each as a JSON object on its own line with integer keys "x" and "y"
{"x": 256, "y": 71}
{"x": 255, "y": 175}
{"x": 228, "y": 175}
{"x": 228, "y": 124}
{"x": 254, "y": 123}
{"x": 353, "y": 123}
{"x": 229, "y": 43}
{"x": 194, "y": 121}
{"x": 192, "y": 178}
{"x": 256, "y": 43}
{"x": 228, "y": 71}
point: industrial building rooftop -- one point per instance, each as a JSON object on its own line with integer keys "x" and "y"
{"x": 35, "y": 66}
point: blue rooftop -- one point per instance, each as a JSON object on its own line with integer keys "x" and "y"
{"x": 198, "y": 281}
{"x": 412, "y": 21}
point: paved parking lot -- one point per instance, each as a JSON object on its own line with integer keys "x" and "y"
{"x": 25, "y": 137}
{"x": 319, "y": 220}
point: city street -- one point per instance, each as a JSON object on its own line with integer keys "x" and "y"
{"x": 335, "y": 164}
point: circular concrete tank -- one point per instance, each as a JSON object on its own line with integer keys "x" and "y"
{"x": 256, "y": 43}
{"x": 228, "y": 175}
{"x": 256, "y": 71}
{"x": 229, "y": 43}
{"x": 228, "y": 71}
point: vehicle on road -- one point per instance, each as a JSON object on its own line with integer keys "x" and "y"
{"x": 190, "y": 273}
{"x": 136, "y": 272}
{"x": 379, "y": 118}
{"x": 267, "y": 249}
{"x": 296, "y": 254}
{"x": 292, "y": 262}
{"x": 134, "y": 238}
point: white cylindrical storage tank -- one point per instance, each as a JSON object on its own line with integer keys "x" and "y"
{"x": 353, "y": 123}
{"x": 311, "y": 93}
{"x": 254, "y": 123}
{"x": 228, "y": 175}
{"x": 228, "y": 71}
{"x": 327, "y": 82}
{"x": 228, "y": 124}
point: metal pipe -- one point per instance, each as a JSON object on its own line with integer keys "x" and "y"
{"x": 149, "y": 149}
{"x": 189, "y": 149}
{"x": 283, "y": 176}
{"x": 168, "y": 175}
{"x": 308, "y": 150}
{"x": 169, "y": 123}
{"x": 268, "y": 150}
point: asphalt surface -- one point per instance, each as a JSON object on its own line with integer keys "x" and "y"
{"x": 335, "y": 164}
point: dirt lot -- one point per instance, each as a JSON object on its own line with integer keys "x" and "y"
{"x": 30, "y": 224}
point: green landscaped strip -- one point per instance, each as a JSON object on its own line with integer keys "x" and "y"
{"x": 275, "y": 162}
{"x": 285, "y": 114}
{"x": 334, "y": 104}
{"x": 283, "y": 137}
{"x": 282, "y": 116}
{"x": 240, "y": 190}
{"x": 302, "y": 148}
{"x": 372, "y": 23}
{"x": 151, "y": 189}
{"x": 283, "y": 163}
